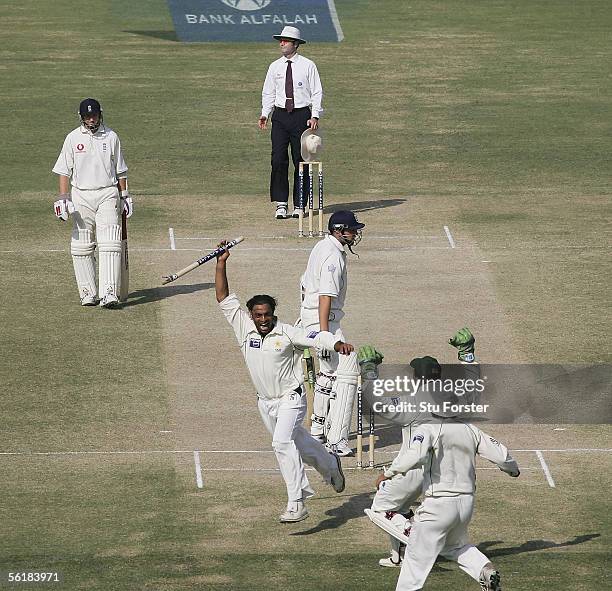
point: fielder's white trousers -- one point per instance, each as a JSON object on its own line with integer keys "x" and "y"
{"x": 293, "y": 445}
{"x": 440, "y": 527}
{"x": 399, "y": 493}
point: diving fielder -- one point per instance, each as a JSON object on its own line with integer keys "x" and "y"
{"x": 323, "y": 287}
{"x": 273, "y": 354}
{"x": 93, "y": 190}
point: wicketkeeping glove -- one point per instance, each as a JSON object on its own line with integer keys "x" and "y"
{"x": 464, "y": 341}
{"x": 369, "y": 358}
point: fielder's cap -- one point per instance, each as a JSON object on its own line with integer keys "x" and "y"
{"x": 426, "y": 367}
{"x": 290, "y": 33}
{"x": 89, "y": 107}
{"x": 312, "y": 145}
{"x": 344, "y": 218}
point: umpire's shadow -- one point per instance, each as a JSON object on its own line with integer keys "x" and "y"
{"x": 154, "y": 294}
{"x": 351, "y": 508}
{"x": 359, "y": 206}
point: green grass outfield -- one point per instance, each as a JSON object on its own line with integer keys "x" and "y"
{"x": 491, "y": 118}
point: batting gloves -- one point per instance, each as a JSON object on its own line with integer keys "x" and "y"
{"x": 63, "y": 207}
{"x": 127, "y": 206}
{"x": 369, "y": 358}
{"x": 464, "y": 341}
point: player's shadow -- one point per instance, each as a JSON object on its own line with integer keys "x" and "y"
{"x": 359, "y": 206}
{"x": 531, "y": 545}
{"x": 351, "y": 508}
{"x": 154, "y": 294}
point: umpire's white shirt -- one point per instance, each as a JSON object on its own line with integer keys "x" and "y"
{"x": 307, "y": 89}
{"x": 447, "y": 452}
{"x": 91, "y": 161}
{"x": 274, "y": 361}
{"x": 325, "y": 275}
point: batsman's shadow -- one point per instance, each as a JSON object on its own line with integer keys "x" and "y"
{"x": 154, "y": 294}
{"x": 351, "y": 508}
{"x": 359, "y": 206}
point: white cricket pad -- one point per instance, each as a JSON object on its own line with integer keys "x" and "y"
{"x": 84, "y": 263}
{"x": 343, "y": 396}
{"x": 320, "y": 405}
{"x": 109, "y": 247}
{"x": 395, "y": 524}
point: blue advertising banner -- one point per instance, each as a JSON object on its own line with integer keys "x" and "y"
{"x": 253, "y": 20}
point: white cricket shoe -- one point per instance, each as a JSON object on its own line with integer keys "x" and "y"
{"x": 281, "y": 211}
{"x": 89, "y": 300}
{"x": 337, "y": 478}
{"x": 489, "y": 578}
{"x": 109, "y": 301}
{"x": 389, "y": 562}
{"x": 341, "y": 448}
{"x": 296, "y": 511}
{"x": 296, "y": 212}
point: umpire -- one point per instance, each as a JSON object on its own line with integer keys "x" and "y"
{"x": 292, "y": 92}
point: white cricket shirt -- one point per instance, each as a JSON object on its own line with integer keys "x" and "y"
{"x": 307, "y": 89}
{"x": 274, "y": 361}
{"x": 447, "y": 452}
{"x": 92, "y": 161}
{"x": 325, "y": 275}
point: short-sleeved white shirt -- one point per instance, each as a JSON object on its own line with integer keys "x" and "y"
{"x": 91, "y": 161}
{"x": 274, "y": 361}
{"x": 325, "y": 275}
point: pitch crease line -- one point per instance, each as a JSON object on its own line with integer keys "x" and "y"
{"x": 198, "y": 469}
{"x": 449, "y": 236}
{"x": 545, "y": 469}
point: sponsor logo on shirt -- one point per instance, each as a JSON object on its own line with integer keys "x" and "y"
{"x": 418, "y": 438}
{"x": 80, "y": 148}
{"x": 255, "y": 343}
{"x": 312, "y": 335}
{"x": 331, "y": 268}
{"x": 493, "y": 441}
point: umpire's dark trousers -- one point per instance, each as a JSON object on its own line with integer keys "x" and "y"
{"x": 287, "y": 128}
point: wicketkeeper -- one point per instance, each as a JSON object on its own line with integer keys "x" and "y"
{"x": 93, "y": 191}
{"x": 442, "y": 451}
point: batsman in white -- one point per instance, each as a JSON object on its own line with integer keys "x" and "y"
{"x": 323, "y": 287}
{"x": 446, "y": 448}
{"x": 93, "y": 190}
{"x": 273, "y": 354}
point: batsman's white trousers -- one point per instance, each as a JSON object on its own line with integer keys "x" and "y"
{"x": 440, "y": 527}
{"x": 293, "y": 445}
{"x": 96, "y": 214}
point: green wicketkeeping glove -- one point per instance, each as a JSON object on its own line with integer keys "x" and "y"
{"x": 369, "y": 358}
{"x": 464, "y": 341}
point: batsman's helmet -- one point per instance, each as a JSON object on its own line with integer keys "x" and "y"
{"x": 87, "y": 108}
{"x": 340, "y": 221}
